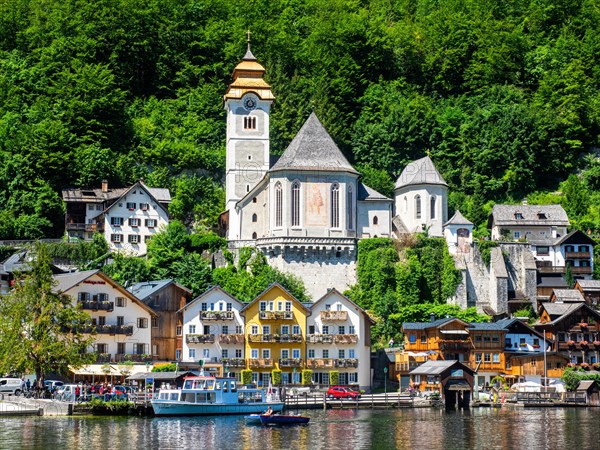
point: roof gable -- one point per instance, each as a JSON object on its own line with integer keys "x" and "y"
{"x": 284, "y": 291}
{"x": 421, "y": 171}
{"x": 334, "y": 292}
{"x": 313, "y": 149}
{"x": 210, "y": 290}
{"x": 150, "y": 192}
{"x": 458, "y": 219}
{"x": 145, "y": 289}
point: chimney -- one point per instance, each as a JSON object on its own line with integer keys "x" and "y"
{"x": 432, "y": 317}
{"x": 104, "y": 185}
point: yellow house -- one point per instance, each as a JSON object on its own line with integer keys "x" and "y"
{"x": 275, "y": 332}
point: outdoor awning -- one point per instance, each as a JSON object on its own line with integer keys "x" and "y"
{"x": 454, "y": 332}
{"x": 106, "y": 369}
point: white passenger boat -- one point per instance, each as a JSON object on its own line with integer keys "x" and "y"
{"x": 208, "y": 395}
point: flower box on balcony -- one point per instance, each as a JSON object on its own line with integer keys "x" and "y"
{"x": 571, "y": 343}
{"x": 596, "y": 343}
{"x": 523, "y": 344}
{"x": 535, "y": 346}
{"x": 584, "y": 344}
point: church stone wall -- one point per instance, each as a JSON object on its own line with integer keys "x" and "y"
{"x": 319, "y": 269}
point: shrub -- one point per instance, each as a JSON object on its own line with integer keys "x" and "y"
{"x": 334, "y": 377}
{"x": 276, "y": 375}
{"x": 307, "y": 376}
{"x": 246, "y": 376}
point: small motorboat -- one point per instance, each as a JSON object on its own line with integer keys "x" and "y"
{"x": 253, "y": 419}
{"x": 283, "y": 419}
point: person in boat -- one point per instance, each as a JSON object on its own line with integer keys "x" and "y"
{"x": 269, "y": 411}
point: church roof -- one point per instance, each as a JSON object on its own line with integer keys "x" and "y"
{"x": 313, "y": 149}
{"x": 458, "y": 219}
{"x": 365, "y": 193}
{"x": 248, "y": 77}
{"x": 421, "y": 171}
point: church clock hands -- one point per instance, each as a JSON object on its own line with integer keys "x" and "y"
{"x": 249, "y": 103}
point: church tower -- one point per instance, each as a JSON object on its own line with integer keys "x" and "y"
{"x": 248, "y": 102}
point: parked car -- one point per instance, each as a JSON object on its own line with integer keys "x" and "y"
{"x": 66, "y": 393}
{"x": 52, "y": 385}
{"x": 342, "y": 392}
{"x": 11, "y": 386}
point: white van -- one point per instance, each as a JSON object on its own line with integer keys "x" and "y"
{"x": 11, "y": 386}
{"x": 66, "y": 393}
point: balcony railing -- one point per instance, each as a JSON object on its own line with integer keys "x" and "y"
{"x": 319, "y": 338}
{"x": 578, "y": 255}
{"x": 234, "y": 362}
{"x": 407, "y": 367}
{"x": 276, "y": 315}
{"x": 346, "y": 362}
{"x": 94, "y": 305}
{"x": 454, "y": 345}
{"x": 231, "y": 338}
{"x": 581, "y": 270}
{"x": 108, "y": 329}
{"x": 334, "y": 316}
{"x": 345, "y": 338}
{"x": 320, "y": 363}
{"x": 217, "y": 315}
{"x": 290, "y": 362}
{"x": 580, "y": 345}
{"x": 200, "y": 338}
{"x": 134, "y": 357}
{"x": 275, "y": 338}
{"x": 260, "y": 363}
{"x": 103, "y": 358}
{"x": 85, "y": 227}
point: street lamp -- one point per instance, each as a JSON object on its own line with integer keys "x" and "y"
{"x": 385, "y": 371}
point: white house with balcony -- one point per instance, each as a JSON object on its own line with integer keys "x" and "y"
{"x": 127, "y": 217}
{"x": 338, "y": 339}
{"x": 123, "y": 324}
{"x": 213, "y": 331}
{"x": 575, "y": 249}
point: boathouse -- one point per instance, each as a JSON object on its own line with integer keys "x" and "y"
{"x": 452, "y": 379}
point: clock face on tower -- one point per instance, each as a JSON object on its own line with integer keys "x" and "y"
{"x": 249, "y": 103}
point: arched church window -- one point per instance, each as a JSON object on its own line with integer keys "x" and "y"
{"x": 432, "y": 207}
{"x": 278, "y": 205}
{"x": 405, "y": 204}
{"x": 375, "y": 220}
{"x": 417, "y": 206}
{"x": 296, "y": 204}
{"x": 350, "y": 208}
{"x": 254, "y": 235}
{"x": 335, "y": 205}
{"x": 254, "y": 217}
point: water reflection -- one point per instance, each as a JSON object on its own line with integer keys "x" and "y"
{"x": 430, "y": 429}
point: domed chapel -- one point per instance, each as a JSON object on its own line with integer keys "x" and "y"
{"x": 306, "y": 210}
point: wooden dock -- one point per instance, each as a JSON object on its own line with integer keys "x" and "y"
{"x": 369, "y": 401}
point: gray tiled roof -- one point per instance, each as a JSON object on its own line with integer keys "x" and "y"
{"x": 435, "y": 367}
{"x": 313, "y": 149}
{"x": 426, "y": 325}
{"x": 146, "y": 289}
{"x": 98, "y": 196}
{"x": 421, "y": 171}
{"x": 458, "y": 219}
{"x": 560, "y": 309}
{"x": 365, "y": 193}
{"x": 568, "y": 295}
{"x": 505, "y": 215}
{"x": 491, "y": 326}
{"x": 68, "y": 280}
{"x": 589, "y": 285}
{"x": 556, "y": 282}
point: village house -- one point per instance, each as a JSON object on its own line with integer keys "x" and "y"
{"x": 213, "y": 332}
{"x": 127, "y": 217}
{"x": 275, "y": 330}
{"x": 590, "y": 290}
{"x": 452, "y": 379}
{"x": 121, "y": 321}
{"x": 338, "y": 341}
{"x": 166, "y": 298}
{"x": 527, "y": 223}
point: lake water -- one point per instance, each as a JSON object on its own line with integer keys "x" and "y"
{"x": 424, "y": 428}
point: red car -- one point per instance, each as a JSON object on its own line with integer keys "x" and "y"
{"x": 342, "y": 392}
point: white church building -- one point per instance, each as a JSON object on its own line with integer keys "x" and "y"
{"x": 306, "y": 210}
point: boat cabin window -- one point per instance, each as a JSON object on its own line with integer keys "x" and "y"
{"x": 225, "y": 386}
{"x": 233, "y": 386}
{"x": 175, "y": 396}
{"x": 187, "y": 384}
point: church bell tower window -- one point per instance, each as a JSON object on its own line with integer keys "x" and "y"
{"x": 417, "y": 207}
{"x": 296, "y": 204}
{"x": 432, "y": 207}
{"x": 335, "y": 205}
{"x": 250, "y": 123}
{"x": 350, "y": 208}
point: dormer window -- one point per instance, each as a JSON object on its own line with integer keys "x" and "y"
{"x": 518, "y": 215}
{"x": 542, "y": 216}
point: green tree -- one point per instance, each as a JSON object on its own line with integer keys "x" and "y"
{"x": 39, "y": 327}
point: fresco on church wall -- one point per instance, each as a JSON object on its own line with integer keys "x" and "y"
{"x": 316, "y": 204}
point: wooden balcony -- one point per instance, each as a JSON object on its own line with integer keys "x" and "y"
{"x": 334, "y": 316}
{"x": 108, "y": 329}
{"x": 211, "y": 316}
{"x": 346, "y": 338}
{"x": 346, "y": 362}
{"x": 448, "y": 344}
{"x": 92, "y": 227}
{"x": 320, "y": 363}
{"x": 578, "y": 255}
{"x": 319, "y": 338}
{"x": 290, "y": 362}
{"x": 234, "y": 362}
{"x": 256, "y": 338}
{"x": 276, "y": 315}
{"x": 200, "y": 338}
{"x": 581, "y": 270}
{"x": 94, "y": 305}
{"x": 578, "y": 346}
{"x": 406, "y": 367}
{"x": 124, "y": 357}
{"x": 263, "y": 363}
{"x": 231, "y": 338}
